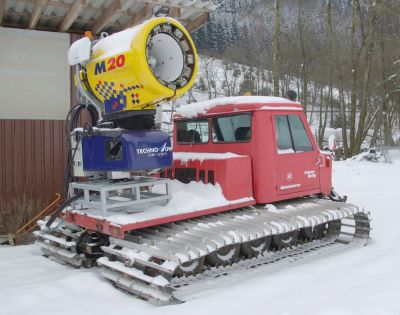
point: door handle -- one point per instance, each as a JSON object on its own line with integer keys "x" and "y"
{"x": 318, "y": 161}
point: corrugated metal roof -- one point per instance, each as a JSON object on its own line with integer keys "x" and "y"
{"x": 77, "y": 16}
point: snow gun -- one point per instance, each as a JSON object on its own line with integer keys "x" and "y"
{"x": 125, "y": 75}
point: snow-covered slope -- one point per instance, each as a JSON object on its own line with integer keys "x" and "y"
{"x": 365, "y": 281}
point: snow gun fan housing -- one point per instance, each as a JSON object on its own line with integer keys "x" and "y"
{"x": 128, "y": 73}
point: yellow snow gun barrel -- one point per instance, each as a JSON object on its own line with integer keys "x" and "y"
{"x": 128, "y": 73}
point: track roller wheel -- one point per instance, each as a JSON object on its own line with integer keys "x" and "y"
{"x": 319, "y": 231}
{"x": 306, "y": 234}
{"x": 89, "y": 244}
{"x": 224, "y": 256}
{"x": 190, "y": 268}
{"x": 287, "y": 239}
{"x": 312, "y": 233}
{"x": 333, "y": 228}
{"x": 256, "y": 247}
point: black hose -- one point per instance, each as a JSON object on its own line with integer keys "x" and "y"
{"x": 72, "y": 121}
{"x": 65, "y": 204}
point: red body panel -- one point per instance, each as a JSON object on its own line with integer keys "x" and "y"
{"x": 296, "y": 172}
{"x": 231, "y": 174}
{"x": 118, "y": 230}
{"x": 325, "y": 176}
{"x": 260, "y": 171}
{"x": 276, "y": 176}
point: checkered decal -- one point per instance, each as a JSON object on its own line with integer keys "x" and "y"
{"x": 115, "y": 98}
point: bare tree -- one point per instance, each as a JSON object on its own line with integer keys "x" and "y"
{"x": 277, "y": 48}
{"x": 354, "y": 68}
{"x": 210, "y": 72}
{"x": 303, "y": 65}
{"x": 231, "y": 76}
{"x": 332, "y": 44}
{"x": 341, "y": 63}
{"x": 361, "y": 130}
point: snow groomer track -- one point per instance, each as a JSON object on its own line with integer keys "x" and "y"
{"x": 169, "y": 263}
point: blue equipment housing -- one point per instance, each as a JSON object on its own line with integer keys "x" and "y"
{"x": 122, "y": 150}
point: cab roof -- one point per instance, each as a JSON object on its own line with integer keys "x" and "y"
{"x": 237, "y": 104}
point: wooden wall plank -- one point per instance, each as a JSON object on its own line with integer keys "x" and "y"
{"x": 32, "y": 159}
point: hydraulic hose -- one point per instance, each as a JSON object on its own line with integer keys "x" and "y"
{"x": 72, "y": 123}
{"x": 65, "y": 204}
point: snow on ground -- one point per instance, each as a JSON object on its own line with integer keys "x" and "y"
{"x": 364, "y": 281}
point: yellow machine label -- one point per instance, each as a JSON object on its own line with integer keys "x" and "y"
{"x": 112, "y": 64}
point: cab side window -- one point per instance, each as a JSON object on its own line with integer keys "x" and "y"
{"x": 301, "y": 141}
{"x": 283, "y": 137}
{"x": 291, "y": 134}
{"x": 192, "y": 131}
{"x": 233, "y": 128}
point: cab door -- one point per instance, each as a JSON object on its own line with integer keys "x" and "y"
{"x": 297, "y": 156}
